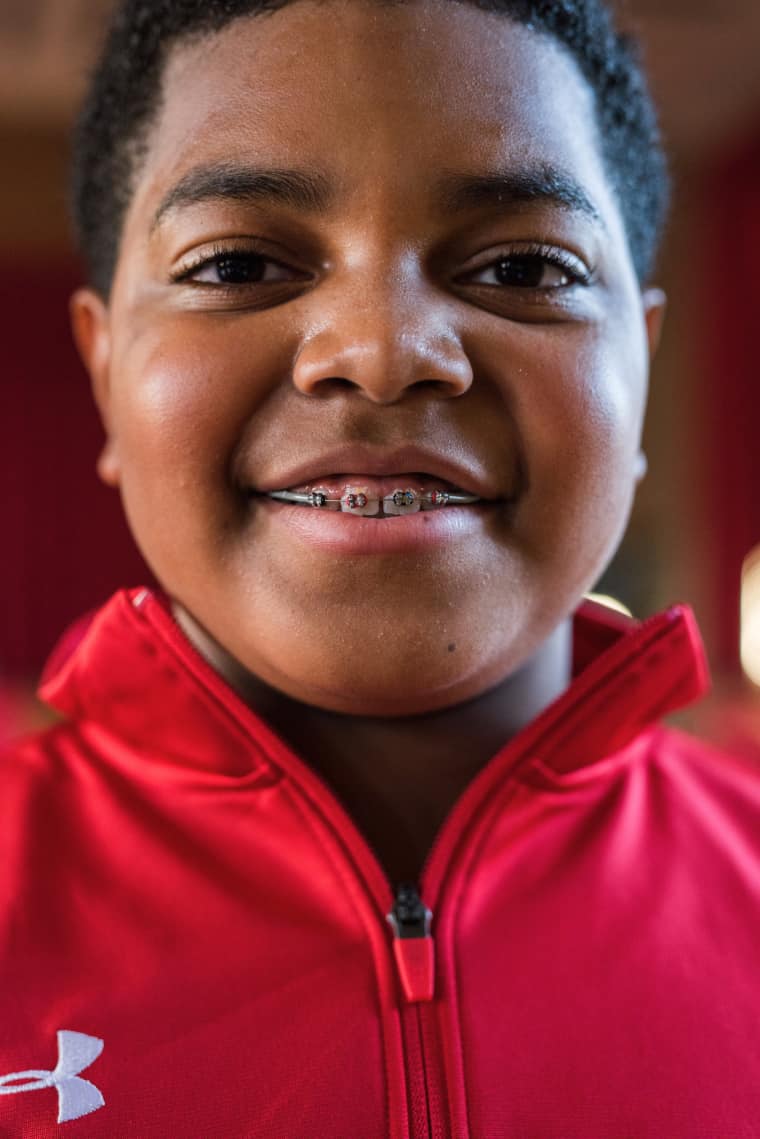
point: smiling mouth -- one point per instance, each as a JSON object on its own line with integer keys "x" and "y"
{"x": 377, "y": 498}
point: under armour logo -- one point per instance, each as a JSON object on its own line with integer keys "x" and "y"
{"x": 76, "y": 1097}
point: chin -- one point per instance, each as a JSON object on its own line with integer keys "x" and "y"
{"x": 395, "y": 687}
{"x": 393, "y": 702}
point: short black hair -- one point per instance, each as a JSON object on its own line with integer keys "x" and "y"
{"x": 125, "y": 94}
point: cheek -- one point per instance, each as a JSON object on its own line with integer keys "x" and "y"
{"x": 586, "y": 395}
{"x": 578, "y": 403}
{"x": 183, "y": 391}
{"x": 181, "y": 398}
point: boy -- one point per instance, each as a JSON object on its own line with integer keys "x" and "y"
{"x": 363, "y": 828}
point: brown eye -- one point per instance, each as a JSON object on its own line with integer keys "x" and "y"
{"x": 233, "y": 267}
{"x": 540, "y": 270}
{"x": 530, "y": 272}
{"x": 240, "y": 268}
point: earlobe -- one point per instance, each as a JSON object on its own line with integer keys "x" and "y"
{"x": 655, "y": 304}
{"x": 91, "y": 330}
{"x": 107, "y": 466}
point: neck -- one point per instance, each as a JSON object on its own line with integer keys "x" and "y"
{"x": 399, "y": 777}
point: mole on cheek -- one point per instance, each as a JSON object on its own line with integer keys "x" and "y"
{"x": 452, "y": 647}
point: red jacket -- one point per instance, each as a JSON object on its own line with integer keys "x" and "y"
{"x": 194, "y": 941}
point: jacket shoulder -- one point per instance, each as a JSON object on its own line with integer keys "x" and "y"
{"x": 31, "y": 765}
{"x": 706, "y": 777}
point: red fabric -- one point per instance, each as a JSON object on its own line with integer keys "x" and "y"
{"x": 66, "y": 546}
{"x": 728, "y": 247}
{"x": 176, "y": 883}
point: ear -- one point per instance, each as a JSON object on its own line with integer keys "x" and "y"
{"x": 91, "y": 328}
{"x": 655, "y": 304}
{"x": 640, "y": 467}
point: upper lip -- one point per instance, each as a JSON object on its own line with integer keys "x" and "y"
{"x": 469, "y": 475}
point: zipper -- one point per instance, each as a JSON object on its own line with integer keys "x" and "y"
{"x": 413, "y": 948}
{"x": 414, "y": 953}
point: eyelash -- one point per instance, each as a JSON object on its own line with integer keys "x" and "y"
{"x": 218, "y": 254}
{"x": 549, "y": 256}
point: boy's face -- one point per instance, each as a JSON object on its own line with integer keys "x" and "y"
{"x": 498, "y": 342}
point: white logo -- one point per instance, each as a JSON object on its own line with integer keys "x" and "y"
{"x": 76, "y": 1097}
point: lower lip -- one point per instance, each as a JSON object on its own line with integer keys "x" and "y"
{"x": 340, "y": 533}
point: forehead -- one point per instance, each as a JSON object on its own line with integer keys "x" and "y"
{"x": 379, "y": 97}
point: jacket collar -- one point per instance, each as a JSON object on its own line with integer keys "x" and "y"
{"x": 130, "y": 670}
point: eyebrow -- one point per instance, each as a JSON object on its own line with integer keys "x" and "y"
{"x": 541, "y": 184}
{"x": 303, "y": 190}
{"x": 311, "y": 191}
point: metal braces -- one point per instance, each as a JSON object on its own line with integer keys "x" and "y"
{"x": 354, "y": 500}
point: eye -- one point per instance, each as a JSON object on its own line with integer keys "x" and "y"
{"x": 230, "y": 267}
{"x": 539, "y": 268}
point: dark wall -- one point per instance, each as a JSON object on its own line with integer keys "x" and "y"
{"x": 65, "y": 546}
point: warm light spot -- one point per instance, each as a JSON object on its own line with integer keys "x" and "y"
{"x": 610, "y": 602}
{"x": 750, "y": 616}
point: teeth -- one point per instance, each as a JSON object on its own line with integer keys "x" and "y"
{"x": 358, "y": 500}
{"x": 402, "y": 502}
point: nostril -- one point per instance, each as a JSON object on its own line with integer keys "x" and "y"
{"x": 442, "y": 387}
{"x": 329, "y": 385}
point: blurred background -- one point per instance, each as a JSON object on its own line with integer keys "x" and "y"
{"x": 695, "y": 534}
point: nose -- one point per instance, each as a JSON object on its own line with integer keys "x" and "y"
{"x": 382, "y": 341}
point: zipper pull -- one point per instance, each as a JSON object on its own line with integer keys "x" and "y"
{"x": 410, "y": 921}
